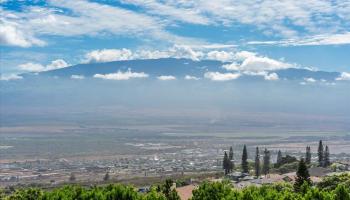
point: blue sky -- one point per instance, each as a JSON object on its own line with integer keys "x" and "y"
{"x": 57, "y": 33}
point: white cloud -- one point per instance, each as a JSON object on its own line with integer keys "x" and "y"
{"x": 79, "y": 17}
{"x": 189, "y": 77}
{"x": 56, "y": 64}
{"x": 185, "y": 51}
{"x": 254, "y": 63}
{"x": 166, "y": 78}
{"x": 310, "y": 80}
{"x": 217, "y": 76}
{"x": 108, "y": 55}
{"x": 147, "y": 54}
{"x": 223, "y": 56}
{"x": 36, "y": 67}
{"x": 267, "y": 76}
{"x": 271, "y": 77}
{"x": 215, "y": 46}
{"x": 10, "y": 77}
{"x": 242, "y": 55}
{"x": 31, "y": 67}
{"x": 251, "y": 73}
{"x": 122, "y": 75}
{"x": 284, "y": 18}
{"x": 232, "y": 66}
{"x": 289, "y": 19}
{"x": 77, "y": 77}
{"x": 171, "y": 11}
{"x": 316, "y": 40}
{"x": 344, "y": 76}
{"x": 12, "y": 36}
{"x": 176, "y": 51}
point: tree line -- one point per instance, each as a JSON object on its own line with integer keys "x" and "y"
{"x": 229, "y": 163}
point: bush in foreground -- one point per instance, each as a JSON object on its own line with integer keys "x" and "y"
{"x": 331, "y": 188}
{"x": 224, "y": 191}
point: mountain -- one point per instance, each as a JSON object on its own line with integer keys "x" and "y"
{"x": 300, "y": 98}
{"x": 178, "y": 68}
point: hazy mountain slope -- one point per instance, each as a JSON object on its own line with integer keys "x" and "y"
{"x": 176, "y": 67}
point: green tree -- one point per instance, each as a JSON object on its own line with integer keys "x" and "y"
{"x": 72, "y": 177}
{"x": 331, "y": 182}
{"x": 279, "y": 157}
{"x": 106, "y": 177}
{"x": 320, "y": 154}
{"x": 327, "y": 162}
{"x": 230, "y": 157}
{"x": 342, "y": 193}
{"x": 154, "y": 195}
{"x": 226, "y": 163}
{"x": 257, "y": 163}
{"x": 308, "y": 155}
{"x": 214, "y": 191}
{"x": 303, "y": 175}
{"x": 169, "y": 192}
{"x": 266, "y": 158}
{"x": 245, "y": 166}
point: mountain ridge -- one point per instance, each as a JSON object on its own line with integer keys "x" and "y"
{"x": 178, "y": 67}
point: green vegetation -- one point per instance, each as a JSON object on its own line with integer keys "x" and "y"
{"x": 335, "y": 187}
{"x": 266, "y": 166}
{"x": 224, "y": 191}
{"x": 308, "y": 155}
{"x": 303, "y": 176}
{"x": 168, "y": 190}
{"x": 110, "y": 192}
{"x": 320, "y": 153}
{"x": 227, "y": 163}
{"x": 257, "y": 163}
{"x": 245, "y": 166}
{"x": 331, "y": 182}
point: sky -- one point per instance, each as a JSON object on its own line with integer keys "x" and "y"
{"x": 43, "y": 35}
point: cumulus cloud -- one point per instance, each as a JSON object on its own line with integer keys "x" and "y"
{"x": 166, "y": 78}
{"x": 122, "y": 75}
{"x": 148, "y": 54}
{"x": 56, "y": 64}
{"x": 185, "y": 51}
{"x": 252, "y": 62}
{"x": 242, "y": 55}
{"x": 310, "y": 80}
{"x": 344, "y": 76}
{"x": 271, "y": 77}
{"x": 217, "y": 76}
{"x": 195, "y": 53}
{"x": 10, "y": 77}
{"x": 36, "y": 67}
{"x": 255, "y": 63}
{"x": 12, "y": 36}
{"x": 188, "y": 77}
{"x": 267, "y": 76}
{"x": 108, "y": 55}
{"x": 223, "y": 56}
{"x": 74, "y": 76}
